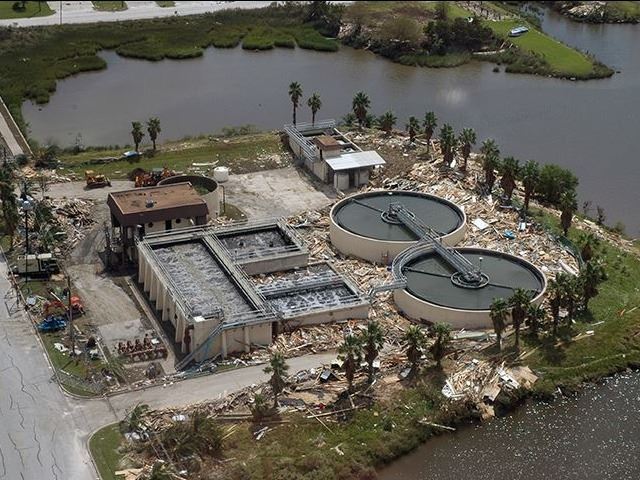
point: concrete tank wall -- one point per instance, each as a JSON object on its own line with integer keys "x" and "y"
{"x": 379, "y": 251}
{"x": 212, "y": 198}
{"x": 421, "y": 310}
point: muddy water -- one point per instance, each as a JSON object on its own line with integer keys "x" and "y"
{"x": 591, "y": 436}
{"x": 588, "y": 126}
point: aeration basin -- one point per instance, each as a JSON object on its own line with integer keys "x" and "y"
{"x": 360, "y": 225}
{"x": 432, "y": 294}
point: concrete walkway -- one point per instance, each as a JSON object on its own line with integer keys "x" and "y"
{"x": 10, "y": 133}
{"x": 83, "y": 12}
{"x": 44, "y": 433}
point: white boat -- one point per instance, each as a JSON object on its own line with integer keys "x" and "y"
{"x": 517, "y": 31}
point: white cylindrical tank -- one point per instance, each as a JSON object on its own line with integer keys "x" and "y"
{"x": 221, "y": 174}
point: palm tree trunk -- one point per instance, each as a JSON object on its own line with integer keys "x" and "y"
{"x": 154, "y": 145}
{"x": 313, "y": 118}
{"x": 294, "y": 114}
{"x": 499, "y": 341}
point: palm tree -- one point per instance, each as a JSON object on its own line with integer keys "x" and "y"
{"x": 571, "y": 294}
{"x": 153, "y": 129}
{"x": 295, "y": 94}
{"x": 535, "y": 316}
{"x": 490, "y": 161}
{"x": 519, "y": 303}
{"x": 466, "y": 140}
{"x": 350, "y": 352}
{"x": 591, "y": 275}
{"x": 372, "y": 340}
{"x": 568, "y": 206}
{"x": 448, "y": 143}
{"x": 360, "y": 106}
{"x": 277, "y": 368}
{"x": 588, "y": 243}
{"x": 386, "y": 121}
{"x": 415, "y": 340}
{"x": 137, "y": 133}
{"x": 315, "y": 104}
{"x": 429, "y": 124}
{"x": 530, "y": 176}
{"x": 499, "y": 313}
{"x": 555, "y": 301}
{"x": 412, "y": 127}
{"x": 510, "y": 169}
{"x": 442, "y": 333}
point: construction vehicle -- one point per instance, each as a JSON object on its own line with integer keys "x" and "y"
{"x": 59, "y": 306}
{"x": 151, "y": 179}
{"x": 96, "y": 180}
{"x": 40, "y": 265}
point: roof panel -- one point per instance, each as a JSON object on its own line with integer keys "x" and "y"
{"x": 355, "y": 160}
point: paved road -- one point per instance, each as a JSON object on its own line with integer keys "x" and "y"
{"x": 83, "y": 12}
{"x": 44, "y": 433}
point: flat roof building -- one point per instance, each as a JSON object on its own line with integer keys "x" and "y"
{"x": 140, "y": 211}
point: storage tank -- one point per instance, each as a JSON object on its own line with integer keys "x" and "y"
{"x": 221, "y": 174}
{"x": 360, "y": 225}
{"x": 207, "y": 188}
{"x": 435, "y": 293}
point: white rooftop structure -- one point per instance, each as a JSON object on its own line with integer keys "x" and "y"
{"x": 330, "y": 155}
{"x": 355, "y": 160}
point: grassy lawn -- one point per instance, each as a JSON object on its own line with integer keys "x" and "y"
{"x": 103, "y": 446}
{"x": 623, "y": 11}
{"x": 166, "y": 4}
{"x": 109, "y": 6}
{"x": 33, "y": 9}
{"x": 417, "y": 10}
{"x": 561, "y": 58}
{"x": 241, "y": 154}
{"x": 616, "y": 342}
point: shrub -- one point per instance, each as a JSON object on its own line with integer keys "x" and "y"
{"x": 554, "y": 182}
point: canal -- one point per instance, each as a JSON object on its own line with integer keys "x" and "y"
{"x": 589, "y": 127}
{"x": 593, "y": 435}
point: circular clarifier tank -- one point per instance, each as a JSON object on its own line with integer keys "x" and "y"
{"x": 361, "y": 226}
{"x": 433, "y": 294}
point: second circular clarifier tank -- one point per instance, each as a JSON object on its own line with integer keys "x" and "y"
{"x": 434, "y": 293}
{"x": 360, "y": 225}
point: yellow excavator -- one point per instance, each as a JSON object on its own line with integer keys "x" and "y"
{"x": 96, "y": 180}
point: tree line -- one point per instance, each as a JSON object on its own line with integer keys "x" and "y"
{"x": 548, "y": 183}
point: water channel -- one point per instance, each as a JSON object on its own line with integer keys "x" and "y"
{"x": 589, "y": 127}
{"x": 593, "y": 435}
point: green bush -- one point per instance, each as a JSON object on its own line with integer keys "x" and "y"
{"x": 554, "y": 181}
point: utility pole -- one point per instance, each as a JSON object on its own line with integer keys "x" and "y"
{"x": 71, "y": 332}
{"x": 61, "y": 13}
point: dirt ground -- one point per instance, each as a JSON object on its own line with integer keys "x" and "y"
{"x": 276, "y": 193}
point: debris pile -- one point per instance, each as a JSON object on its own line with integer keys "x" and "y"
{"x": 480, "y": 382}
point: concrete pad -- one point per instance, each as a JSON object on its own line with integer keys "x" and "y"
{"x": 276, "y": 193}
